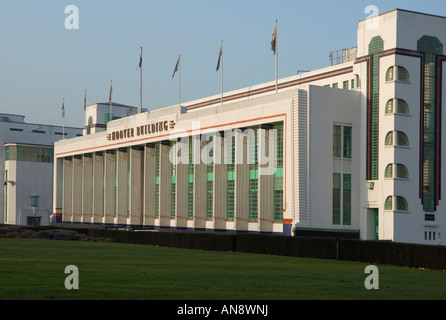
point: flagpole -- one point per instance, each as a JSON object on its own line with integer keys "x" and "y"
{"x": 140, "y": 80}
{"x": 63, "y": 118}
{"x": 179, "y": 81}
{"x": 222, "y": 72}
{"x": 276, "y": 54}
{"x": 111, "y": 111}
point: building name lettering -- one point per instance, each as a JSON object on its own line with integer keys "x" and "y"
{"x": 142, "y": 130}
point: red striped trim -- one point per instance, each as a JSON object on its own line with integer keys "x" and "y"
{"x": 273, "y": 87}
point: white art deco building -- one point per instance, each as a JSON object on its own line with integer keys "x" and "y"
{"x": 353, "y": 150}
{"x": 26, "y": 162}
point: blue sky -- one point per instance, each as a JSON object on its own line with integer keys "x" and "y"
{"x": 42, "y": 62}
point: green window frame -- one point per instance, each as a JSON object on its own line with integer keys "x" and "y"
{"x": 253, "y": 174}
{"x": 345, "y": 85}
{"x": 401, "y": 204}
{"x": 278, "y": 175}
{"x": 347, "y": 142}
{"x": 431, "y": 47}
{"x": 230, "y": 186}
{"x": 388, "y": 173}
{"x": 173, "y": 171}
{"x": 210, "y": 180}
{"x": 347, "y": 199}
{"x": 402, "y": 139}
{"x": 190, "y": 185}
{"x": 401, "y": 171}
{"x": 389, "y": 139}
{"x": 336, "y": 199}
{"x": 403, "y": 74}
{"x": 388, "y": 204}
{"x": 157, "y": 179}
{"x": 389, "y": 107}
{"x": 390, "y": 74}
{"x": 337, "y": 141}
{"x": 402, "y": 106}
{"x": 34, "y": 201}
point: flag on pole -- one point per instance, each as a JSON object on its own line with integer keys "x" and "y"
{"x": 140, "y": 59}
{"x": 85, "y": 99}
{"x": 274, "y": 39}
{"x": 176, "y": 67}
{"x": 63, "y": 108}
{"x": 111, "y": 89}
{"x": 219, "y": 56}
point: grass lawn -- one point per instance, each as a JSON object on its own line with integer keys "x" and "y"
{"x": 34, "y": 269}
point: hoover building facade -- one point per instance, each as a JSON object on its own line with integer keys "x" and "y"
{"x": 353, "y": 150}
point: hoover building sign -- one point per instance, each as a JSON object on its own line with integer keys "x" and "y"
{"x": 141, "y": 130}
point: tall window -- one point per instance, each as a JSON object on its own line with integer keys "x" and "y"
{"x": 157, "y": 180}
{"x": 278, "y": 176}
{"x": 337, "y": 142}
{"x": 253, "y": 174}
{"x": 230, "y": 195}
{"x": 347, "y": 142}
{"x": 336, "y": 198}
{"x": 173, "y": 168}
{"x": 342, "y": 141}
{"x": 346, "y": 199}
{"x": 342, "y": 198}
{"x": 190, "y": 184}
{"x": 210, "y": 180}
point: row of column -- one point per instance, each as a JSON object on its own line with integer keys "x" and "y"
{"x": 143, "y": 186}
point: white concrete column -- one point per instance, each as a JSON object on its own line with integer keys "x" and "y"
{"x": 149, "y": 185}
{"x": 87, "y": 188}
{"x": 122, "y": 211}
{"x": 165, "y": 184}
{"x": 98, "y": 187}
{"x": 199, "y": 187}
{"x": 241, "y": 181}
{"x": 266, "y": 179}
{"x": 109, "y": 196}
{"x": 67, "y": 190}
{"x": 77, "y": 188}
{"x": 220, "y": 182}
{"x": 136, "y": 185}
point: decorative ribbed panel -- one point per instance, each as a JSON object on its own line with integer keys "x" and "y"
{"x": 300, "y": 156}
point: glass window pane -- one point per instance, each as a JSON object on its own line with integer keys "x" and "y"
{"x": 389, "y": 107}
{"x": 389, "y": 171}
{"x": 389, "y": 139}
{"x": 337, "y": 141}
{"x": 388, "y": 204}
{"x": 347, "y": 142}
{"x": 389, "y": 74}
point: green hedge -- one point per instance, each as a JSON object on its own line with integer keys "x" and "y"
{"x": 393, "y": 253}
{"x": 373, "y": 252}
{"x": 324, "y": 248}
